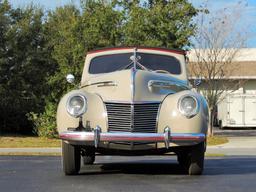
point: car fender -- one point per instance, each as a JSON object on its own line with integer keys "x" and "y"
{"x": 169, "y": 115}
{"x": 95, "y": 114}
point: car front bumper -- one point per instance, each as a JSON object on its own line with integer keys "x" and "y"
{"x": 96, "y": 136}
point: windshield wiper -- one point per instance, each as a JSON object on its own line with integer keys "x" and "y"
{"x": 142, "y": 66}
{"x": 125, "y": 67}
{"x": 135, "y": 61}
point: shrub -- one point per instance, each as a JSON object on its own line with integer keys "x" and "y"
{"x": 45, "y": 123}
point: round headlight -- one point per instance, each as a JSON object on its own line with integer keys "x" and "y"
{"x": 188, "y": 106}
{"x": 76, "y": 105}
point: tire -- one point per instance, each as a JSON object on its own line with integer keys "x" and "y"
{"x": 220, "y": 125}
{"x": 183, "y": 159}
{"x": 88, "y": 156}
{"x": 71, "y": 159}
{"x": 196, "y": 159}
{"x": 215, "y": 122}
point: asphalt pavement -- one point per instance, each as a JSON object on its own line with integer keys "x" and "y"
{"x": 242, "y": 141}
{"x": 235, "y": 132}
{"x": 143, "y": 174}
{"x": 234, "y": 172}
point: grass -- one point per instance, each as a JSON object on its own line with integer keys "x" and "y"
{"x": 216, "y": 140}
{"x": 33, "y": 142}
{"x": 27, "y": 141}
{"x": 214, "y": 154}
{"x": 28, "y": 154}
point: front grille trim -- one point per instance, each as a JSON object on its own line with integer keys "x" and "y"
{"x": 132, "y": 117}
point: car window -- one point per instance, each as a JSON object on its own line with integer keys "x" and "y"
{"x": 114, "y": 62}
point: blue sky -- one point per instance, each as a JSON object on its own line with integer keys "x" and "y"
{"x": 48, "y": 4}
{"x": 249, "y": 15}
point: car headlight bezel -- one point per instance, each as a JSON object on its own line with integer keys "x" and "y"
{"x": 71, "y": 110}
{"x": 194, "y": 112}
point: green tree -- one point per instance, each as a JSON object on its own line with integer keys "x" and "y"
{"x": 63, "y": 33}
{"x": 158, "y": 23}
{"x": 24, "y": 67}
{"x": 101, "y": 24}
{"x": 38, "y": 49}
{"x": 5, "y": 23}
{"x": 71, "y": 33}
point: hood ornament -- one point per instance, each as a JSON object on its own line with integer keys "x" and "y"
{"x": 135, "y": 58}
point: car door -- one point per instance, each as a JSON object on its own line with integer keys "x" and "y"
{"x": 236, "y": 110}
{"x": 250, "y": 110}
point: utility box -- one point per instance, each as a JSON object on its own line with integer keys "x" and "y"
{"x": 237, "y": 111}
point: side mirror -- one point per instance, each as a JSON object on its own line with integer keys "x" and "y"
{"x": 186, "y": 59}
{"x": 197, "y": 82}
{"x": 70, "y": 78}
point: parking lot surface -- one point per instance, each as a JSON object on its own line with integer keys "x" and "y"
{"x": 21, "y": 173}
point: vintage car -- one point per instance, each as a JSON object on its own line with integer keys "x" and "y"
{"x": 133, "y": 101}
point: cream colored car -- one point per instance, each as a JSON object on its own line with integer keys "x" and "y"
{"x": 133, "y": 101}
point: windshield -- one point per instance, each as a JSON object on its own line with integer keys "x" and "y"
{"x": 111, "y": 63}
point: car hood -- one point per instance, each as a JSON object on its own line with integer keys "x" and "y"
{"x": 134, "y": 86}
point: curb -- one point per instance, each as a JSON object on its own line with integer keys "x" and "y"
{"x": 30, "y": 150}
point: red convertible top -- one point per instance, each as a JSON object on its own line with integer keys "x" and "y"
{"x": 182, "y": 52}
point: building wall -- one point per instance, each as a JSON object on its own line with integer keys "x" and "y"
{"x": 250, "y": 87}
{"x": 246, "y": 87}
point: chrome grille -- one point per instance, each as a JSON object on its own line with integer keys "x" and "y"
{"x": 126, "y": 117}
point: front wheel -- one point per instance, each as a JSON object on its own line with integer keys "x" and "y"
{"x": 183, "y": 159}
{"x": 196, "y": 160}
{"x": 71, "y": 159}
{"x": 192, "y": 159}
{"x": 88, "y": 155}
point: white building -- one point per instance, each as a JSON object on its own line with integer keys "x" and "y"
{"x": 237, "y": 108}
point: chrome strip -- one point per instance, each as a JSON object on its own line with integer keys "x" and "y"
{"x": 101, "y": 84}
{"x": 132, "y": 102}
{"x": 133, "y": 73}
{"x": 167, "y": 137}
{"x": 109, "y": 84}
{"x": 135, "y": 58}
{"x": 132, "y": 117}
{"x": 97, "y": 133}
{"x": 161, "y": 84}
{"x": 124, "y": 136}
{"x": 158, "y": 114}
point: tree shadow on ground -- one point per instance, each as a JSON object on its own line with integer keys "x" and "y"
{"x": 236, "y": 132}
{"x": 213, "y": 166}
